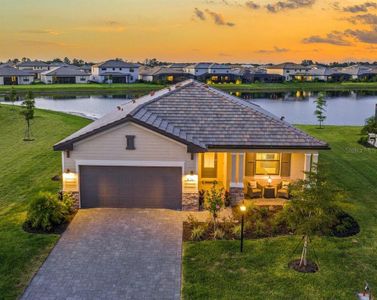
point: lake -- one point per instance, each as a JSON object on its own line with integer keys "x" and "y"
{"x": 343, "y": 107}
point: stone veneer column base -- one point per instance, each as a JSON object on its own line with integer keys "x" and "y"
{"x": 236, "y": 195}
{"x": 76, "y": 196}
{"x": 190, "y": 201}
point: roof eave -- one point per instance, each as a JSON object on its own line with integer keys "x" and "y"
{"x": 272, "y": 147}
{"x": 68, "y": 145}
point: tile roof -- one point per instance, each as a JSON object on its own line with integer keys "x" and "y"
{"x": 35, "y": 63}
{"x": 113, "y": 63}
{"x": 203, "y": 117}
{"x": 10, "y": 71}
{"x": 287, "y": 66}
{"x": 65, "y": 71}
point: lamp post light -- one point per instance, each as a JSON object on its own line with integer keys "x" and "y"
{"x": 243, "y": 210}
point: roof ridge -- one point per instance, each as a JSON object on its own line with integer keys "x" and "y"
{"x": 156, "y": 95}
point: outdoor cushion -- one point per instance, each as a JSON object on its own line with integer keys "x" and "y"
{"x": 253, "y": 184}
{"x": 285, "y": 184}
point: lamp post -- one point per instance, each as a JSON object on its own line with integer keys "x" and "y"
{"x": 242, "y": 209}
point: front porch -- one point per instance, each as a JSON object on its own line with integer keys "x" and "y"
{"x": 261, "y": 177}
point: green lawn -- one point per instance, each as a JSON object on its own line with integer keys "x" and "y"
{"x": 216, "y": 270}
{"x": 294, "y": 86}
{"x": 139, "y": 87}
{"x": 211, "y": 270}
{"x": 26, "y": 168}
{"x": 92, "y": 87}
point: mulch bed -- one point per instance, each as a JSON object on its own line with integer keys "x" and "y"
{"x": 59, "y": 229}
{"x": 311, "y": 267}
{"x": 345, "y": 226}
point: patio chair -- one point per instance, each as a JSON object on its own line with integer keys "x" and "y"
{"x": 283, "y": 190}
{"x": 254, "y": 189}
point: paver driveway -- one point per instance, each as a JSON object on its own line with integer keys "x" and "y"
{"x": 114, "y": 254}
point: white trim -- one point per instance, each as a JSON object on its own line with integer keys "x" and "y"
{"x": 131, "y": 163}
{"x": 63, "y": 162}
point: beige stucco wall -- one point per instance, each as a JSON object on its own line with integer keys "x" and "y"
{"x": 111, "y": 146}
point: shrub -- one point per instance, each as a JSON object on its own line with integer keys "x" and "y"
{"x": 68, "y": 201}
{"x": 227, "y": 199}
{"x": 236, "y": 231}
{"x": 45, "y": 212}
{"x": 197, "y": 232}
{"x": 192, "y": 221}
{"x": 218, "y": 234}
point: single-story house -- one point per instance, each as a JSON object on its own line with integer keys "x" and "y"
{"x": 12, "y": 76}
{"x": 65, "y": 75}
{"x": 160, "y": 150}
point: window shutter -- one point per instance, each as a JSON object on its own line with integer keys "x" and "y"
{"x": 250, "y": 164}
{"x": 130, "y": 142}
{"x": 286, "y": 165}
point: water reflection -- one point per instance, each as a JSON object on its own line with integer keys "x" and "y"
{"x": 343, "y": 107}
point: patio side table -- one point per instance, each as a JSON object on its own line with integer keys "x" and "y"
{"x": 269, "y": 192}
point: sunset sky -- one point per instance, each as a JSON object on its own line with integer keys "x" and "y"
{"x": 190, "y": 30}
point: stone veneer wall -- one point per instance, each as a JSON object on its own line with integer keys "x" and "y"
{"x": 236, "y": 195}
{"x": 76, "y": 196}
{"x": 190, "y": 201}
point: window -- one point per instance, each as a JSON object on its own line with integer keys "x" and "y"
{"x": 170, "y": 78}
{"x": 113, "y": 69}
{"x": 209, "y": 165}
{"x": 103, "y": 69}
{"x": 131, "y": 70}
{"x": 267, "y": 164}
{"x": 130, "y": 142}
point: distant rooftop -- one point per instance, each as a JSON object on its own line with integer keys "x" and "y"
{"x": 113, "y": 63}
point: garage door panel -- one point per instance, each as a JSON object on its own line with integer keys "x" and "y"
{"x": 138, "y": 187}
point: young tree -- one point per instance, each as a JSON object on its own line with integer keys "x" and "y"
{"x": 28, "y": 112}
{"x": 320, "y": 109}
{"x": 214, "y": 202}
{"x": 312, "y": 206}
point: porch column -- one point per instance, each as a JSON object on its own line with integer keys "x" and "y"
{"x": 311, "y": 159}
{"x": 236, "y": 184}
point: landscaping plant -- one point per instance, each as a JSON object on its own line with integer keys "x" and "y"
{"x": 370, "y": 126}
{"x": 46, "y": 211}
{"x": 311, "y": 208}
{"x": 28, "y": 112}
{"x": 320, "y": 109}
{"x": 214, "y": 202}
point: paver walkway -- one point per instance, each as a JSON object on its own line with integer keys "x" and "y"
{"x": 114, "y": 254}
